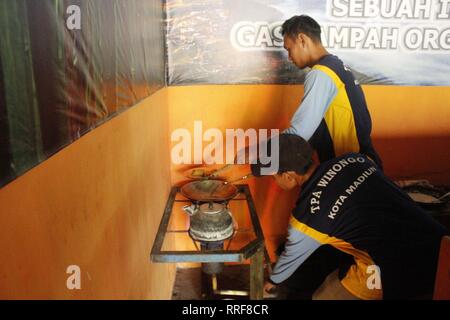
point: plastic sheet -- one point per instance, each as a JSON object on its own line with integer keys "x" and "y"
{"x": 58, "y": 81}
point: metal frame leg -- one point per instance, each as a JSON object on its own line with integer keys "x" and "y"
{"x": 257, "y": 275}
{"x": 207, "y": 292}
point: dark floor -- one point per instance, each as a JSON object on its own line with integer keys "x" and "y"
{"x": 188, "y": 282}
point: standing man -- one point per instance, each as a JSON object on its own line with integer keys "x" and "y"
{"x": 333, "y": 115}
{"x": 385, "y": 245}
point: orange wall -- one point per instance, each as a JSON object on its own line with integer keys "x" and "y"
{"x": 96, "y": 204}
{"x": 411, "y": 130}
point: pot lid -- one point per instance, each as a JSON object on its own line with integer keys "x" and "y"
{"x": 212, "y": 208}
{"x": 209, "y": 190}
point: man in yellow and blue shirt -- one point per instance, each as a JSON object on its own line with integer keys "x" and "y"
{"x": 333, "y": 115}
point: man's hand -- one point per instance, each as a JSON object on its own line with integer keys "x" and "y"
{"x": 270, "y": 290}
{"x": 269, "y": 287}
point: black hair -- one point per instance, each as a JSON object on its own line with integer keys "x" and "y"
{"x": 295, "y": 154}
{"x": 302, "y": 24}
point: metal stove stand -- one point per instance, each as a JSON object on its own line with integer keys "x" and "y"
{"x": 253, "y": 250}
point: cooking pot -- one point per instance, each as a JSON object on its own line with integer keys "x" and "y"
{"x": 428, "y": 197}
{"x": 210, "y": 222}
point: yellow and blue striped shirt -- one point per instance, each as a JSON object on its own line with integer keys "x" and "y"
{"x": 333, "y": 115}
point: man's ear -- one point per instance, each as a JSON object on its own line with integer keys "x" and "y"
{"x": 301, "y": 37}
{"x": 283, "y": 176}
{"x": 290, "y": 175}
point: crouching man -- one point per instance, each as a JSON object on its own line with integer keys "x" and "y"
{"x": 353, "y": 233}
